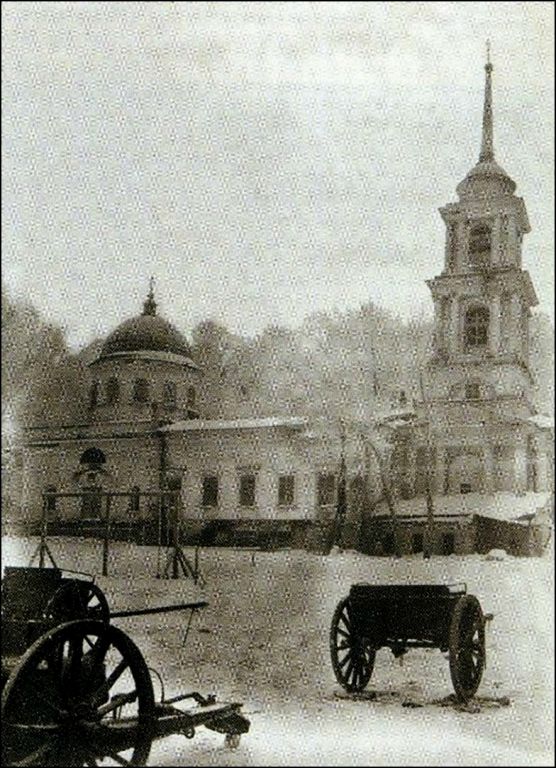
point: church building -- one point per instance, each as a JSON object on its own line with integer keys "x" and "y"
{"x": 270, "y": 481}
{"x": 473, "y": 432}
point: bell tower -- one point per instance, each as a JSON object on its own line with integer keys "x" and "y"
{"x": 478, "y": 383}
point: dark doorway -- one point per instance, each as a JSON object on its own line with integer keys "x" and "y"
{"x": 388, "y": 544}
{"x": 417, "y": 542}
{"x": 448, "y": 543}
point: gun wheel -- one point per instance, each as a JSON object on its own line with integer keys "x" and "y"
{"x": 352, "y": 657}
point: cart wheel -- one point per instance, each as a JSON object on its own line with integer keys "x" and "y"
{"x": 232, "y": 740}
{"x": 352, "y": 657}
{"x": 467, "y": 646}
{"x": 80, "y": 695}
{"x": 77, "y": 600}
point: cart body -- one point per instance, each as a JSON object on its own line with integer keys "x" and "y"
{"x": 404, "y": 616}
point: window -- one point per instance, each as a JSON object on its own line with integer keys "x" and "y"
{"x": 247, "y": 490}
{"x": 91, "y": 502}
{"x": 141, "y": 391}
{"x": 417, "y": 542}
{"x": 50, "y": 500}
{"x": 479, "y": 245}
{"x": 476, "y": 327}
{"x": 134, "y": 499}
{"x": 531, "y": 465}
{"x": 286, "y": 490}
{"x": 326, "y": 490}
{"x": 388, "y": 544}
{"x": 465, "y": 488}
{"x": 472, "y": 391}
{"x": 191, "y": 397}
{"x": 210, "y": 491}
{"x": 93, "y": 456}
{"x": 170, "y": 395}
{"x": 93, "y": 395}
{"x": 112, "y": 391}
{"x": 448, "y": 543}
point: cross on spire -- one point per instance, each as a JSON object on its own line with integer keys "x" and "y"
{"x": 149, "y": 306}
{"x": 487, "y": 142}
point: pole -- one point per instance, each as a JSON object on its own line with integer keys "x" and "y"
{"x": 43, "y": 531}
{"x": 106, "y": 542}
{"x": 388, "y": 496}
{"x": 428, "y": 489}
{"x": 176, "y": 533}
{"x": 341, "y": 497}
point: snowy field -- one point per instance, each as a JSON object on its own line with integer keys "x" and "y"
{"x": 263, "y": 640}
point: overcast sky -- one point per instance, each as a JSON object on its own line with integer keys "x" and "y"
{"x": 261, "y": 160}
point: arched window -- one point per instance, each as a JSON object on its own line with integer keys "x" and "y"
{"x": 191, "y": 397}
{"x": 50, "y": 500}
{"x": 476, "y": 327}
{"x": 479, "y": 245}
{"x": 134, "y": 499}
{"x": 170, "y": 394}
{"x": 93, "y": 394}
{"x": 93, "y": 457}
{"x": 141, "y": 391}
{"x": 112, "y": 390}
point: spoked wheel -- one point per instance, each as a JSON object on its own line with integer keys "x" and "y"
{"x": 81, "y": 695}
{"x": 352, "y": 657}
{"x": 467, "y": 646}
{"x": 77, "y": 599}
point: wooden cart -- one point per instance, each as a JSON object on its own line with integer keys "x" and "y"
{"x": 401, "y": 616}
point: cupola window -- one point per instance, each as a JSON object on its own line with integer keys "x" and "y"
{"x": 112, "y": 391}
{"x": 170, "y": 394}
{"x": 479, "y": 246}
{"x": 134, "y": 498}
{"x": 141, "y": 391}
{"x": 93, "y": 394}
{"x": 476, "y": 327}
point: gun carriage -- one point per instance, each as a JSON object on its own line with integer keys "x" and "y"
{"x": 401, "y": 616}
{"x": 76, "y": 689}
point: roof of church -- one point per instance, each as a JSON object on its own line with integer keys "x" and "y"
{"x": 146, "y": 332}
{"x": 197, "y": 425}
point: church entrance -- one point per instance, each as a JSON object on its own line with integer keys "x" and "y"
{"x": 465, "y": 473}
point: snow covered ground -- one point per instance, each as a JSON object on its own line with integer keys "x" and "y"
{"x": 263, "y": 640}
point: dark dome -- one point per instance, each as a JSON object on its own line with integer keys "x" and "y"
{"x": 146, "y": 333}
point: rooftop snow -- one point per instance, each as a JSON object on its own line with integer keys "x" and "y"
{"x": 500, "y": 506}
{"x": 195, "y": 425}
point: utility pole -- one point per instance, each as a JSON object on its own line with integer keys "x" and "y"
{"x": 388, "y": 495}
{"x": 428, "y": 538}
{"x": 341, "y": 499}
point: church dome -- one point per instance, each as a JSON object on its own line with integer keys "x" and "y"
{"x": 146, "y": 333}
{"x": 486, "y": 179}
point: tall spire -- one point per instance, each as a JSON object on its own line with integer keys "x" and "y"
{"x": 487, "y": 144}
{"x": 149, "y": 306}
